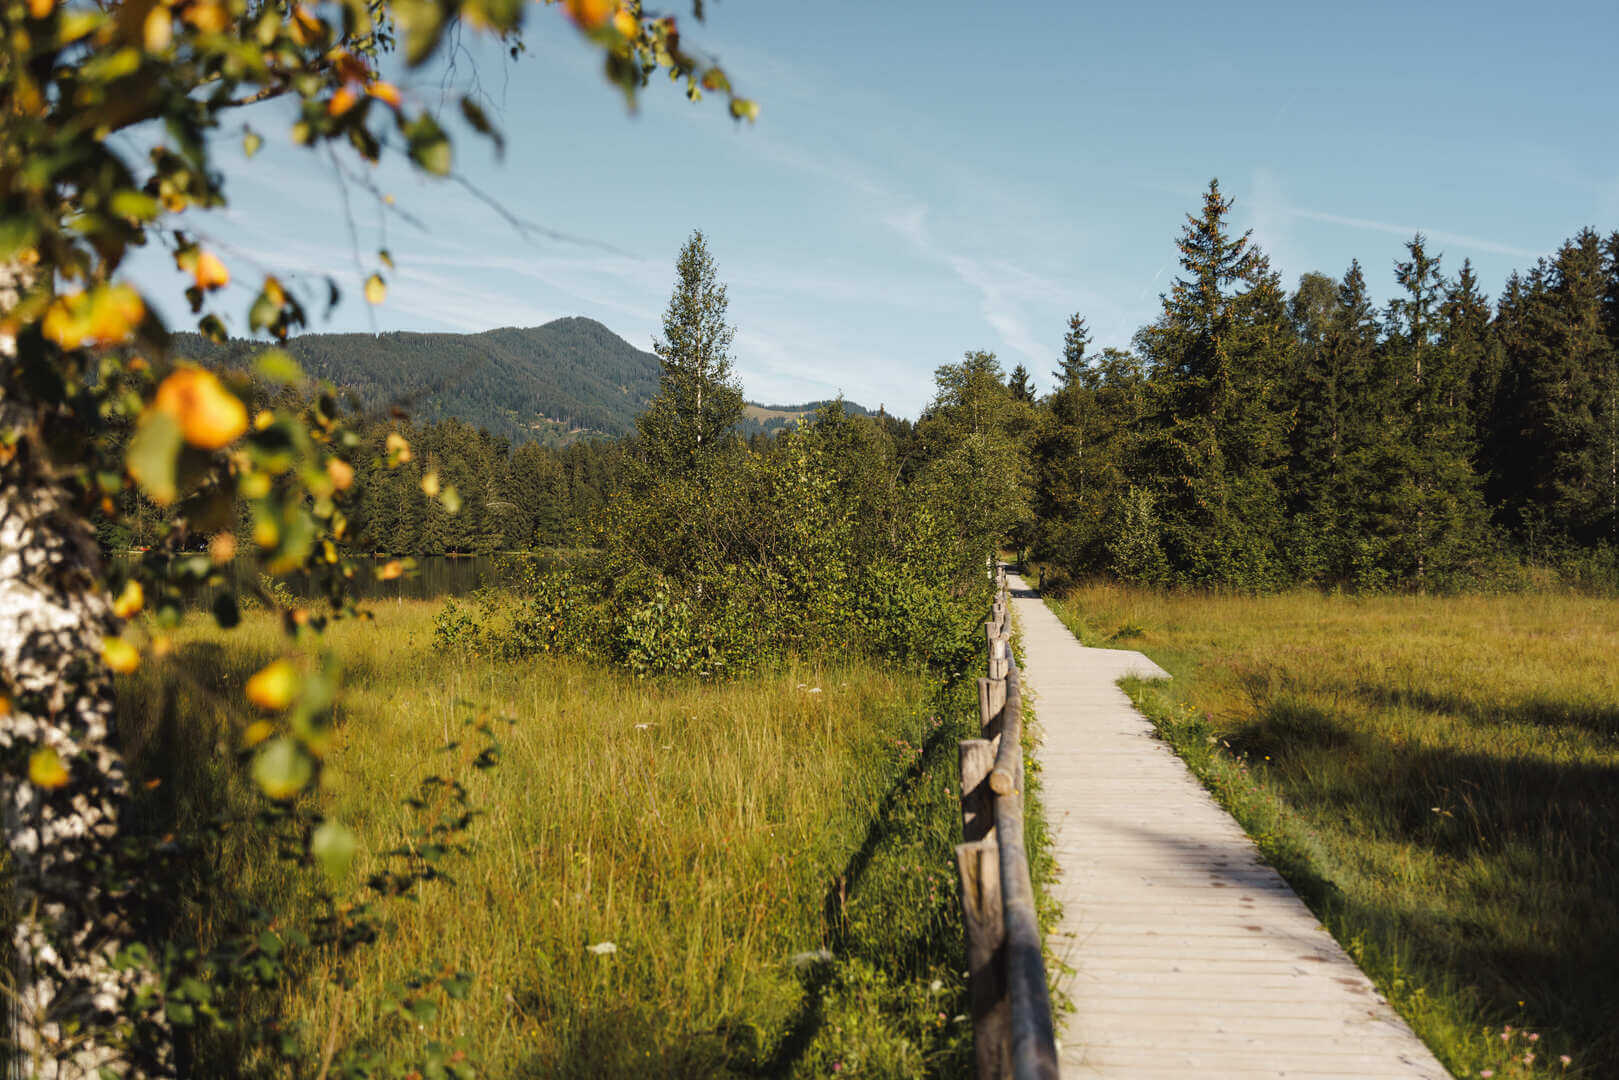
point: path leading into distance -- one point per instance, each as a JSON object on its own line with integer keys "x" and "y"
{"x": 1185, "y": 955}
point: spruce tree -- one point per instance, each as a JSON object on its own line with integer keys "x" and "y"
{"x": 1021, "y": 385}
{"x": 1426, "y": 517}
{"x": 1565, "y": 370}
{"x": 1219, "y": 352}
{"x": 699, "y": 400}
{"x": 1331, "y": 395}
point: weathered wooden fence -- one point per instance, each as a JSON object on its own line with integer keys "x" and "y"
{"x": 1011, "y": 1010}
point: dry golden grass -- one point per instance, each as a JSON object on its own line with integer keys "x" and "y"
{"x": 710, "y": 833}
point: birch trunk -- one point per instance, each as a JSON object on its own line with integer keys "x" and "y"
{"x": 70, "y": 1009}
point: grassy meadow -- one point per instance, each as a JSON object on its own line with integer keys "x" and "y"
{"x": 1439, "y": 779}
{"x": 769, "y": 858}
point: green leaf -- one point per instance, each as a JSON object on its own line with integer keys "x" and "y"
{"x": 480, "y": 122}
{"x": 451, "y": 499}
{"x": 136, "y": 205}
{"x": 212, "y": 327}
{"x": 333, "y": 846}
{"x": 429, "y": 146}
{"x": 423, "y": 23}
{"x": 16, "y": 233}
{"x": 251, "y": 141}
{"x": 277, "y": 365}
{"x": 282, "y": 769}
{"x": 153, "y": 454}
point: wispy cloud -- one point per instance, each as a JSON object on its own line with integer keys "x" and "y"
{"x": 1449, "y": 239}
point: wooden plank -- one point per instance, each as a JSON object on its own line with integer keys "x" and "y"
{"x": 1189, "y": 956}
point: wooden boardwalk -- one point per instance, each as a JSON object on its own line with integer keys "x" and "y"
{"x": 1184, "y": 954}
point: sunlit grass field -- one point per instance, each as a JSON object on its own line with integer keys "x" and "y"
{"x": 1438, "y": 777}
{"x": 770, "y": 859}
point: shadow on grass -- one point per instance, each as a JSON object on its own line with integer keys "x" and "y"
{"x": 889, "y": 823}
{"x": 1522, "y": 859}
{"x": 1599, "y": 719}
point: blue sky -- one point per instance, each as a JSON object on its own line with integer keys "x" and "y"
{"x": 926, "y": 179}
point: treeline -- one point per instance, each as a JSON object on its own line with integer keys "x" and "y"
{"x": 504, "y": 498}
{"x": 1258, "y": 438}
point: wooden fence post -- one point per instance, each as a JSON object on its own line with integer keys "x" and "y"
{"x": 979, "y": 865}
{"x": 989, "y": 721}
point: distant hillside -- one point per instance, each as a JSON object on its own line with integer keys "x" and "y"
{"x": 568, "y": 379}
{"x": 757, "y": 417}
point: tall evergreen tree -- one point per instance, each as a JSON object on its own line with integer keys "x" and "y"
{"x": 1564, "y": 367}
{"x": 1426, "y": 517}
{"x": 1331, "y": 395}
{"x": 1218, "y": 354}
{"x": 699, "y": 399}
{"x": 1021, "y": 385}
{"x": 1081, "y": 453}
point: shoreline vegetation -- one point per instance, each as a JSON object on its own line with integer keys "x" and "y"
{"x": 1438, "y": 778}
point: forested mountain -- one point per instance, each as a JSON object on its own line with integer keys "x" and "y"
{"x": 552, "y": 384}
{"x": 570, "y": 379}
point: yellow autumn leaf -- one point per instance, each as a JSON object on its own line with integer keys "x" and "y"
{"x": 589, "y": 14}
{"x": 209, "y": 271}
{"x": 340, "y": 472}
{"x": 392, "y": 569}
{"x": 342, "y": 101}
{"x": 274, "y": 686}
{"x": 398, "y": 449}
{"x": 385, "y": 92}
{"x": 376, "y": 290}
{"x": 130, "y": 601}
{"x": 430, "y": 486}
{"x": 257, "y": 732}
{"x": 120, "y": 656}
{"x": 222, "y": 548}
{"x": 157, "y": 29}
{"x": 45, "y": 769}
{"x": 210, "y": 416}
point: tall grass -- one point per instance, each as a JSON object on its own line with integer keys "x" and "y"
{"x": 1438, "y": 777}
{"x": 769, "y": 859}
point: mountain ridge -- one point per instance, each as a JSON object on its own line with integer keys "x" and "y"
{"x": 567, "y": 379}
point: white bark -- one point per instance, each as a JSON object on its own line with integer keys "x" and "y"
{"x": 68, "y": 1004}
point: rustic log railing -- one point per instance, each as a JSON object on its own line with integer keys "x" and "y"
{"x": 1011, "y": 1010}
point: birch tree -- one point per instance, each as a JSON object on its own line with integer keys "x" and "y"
{"x": 94, "y": 404}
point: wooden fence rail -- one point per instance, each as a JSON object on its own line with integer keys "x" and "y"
{"x": 1006, "y": 972}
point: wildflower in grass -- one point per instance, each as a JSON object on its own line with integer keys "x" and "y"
{"x": 1486, "y": 1073}
{"x": 1566, "y": 1060}
{"x": 602, "y": 948}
